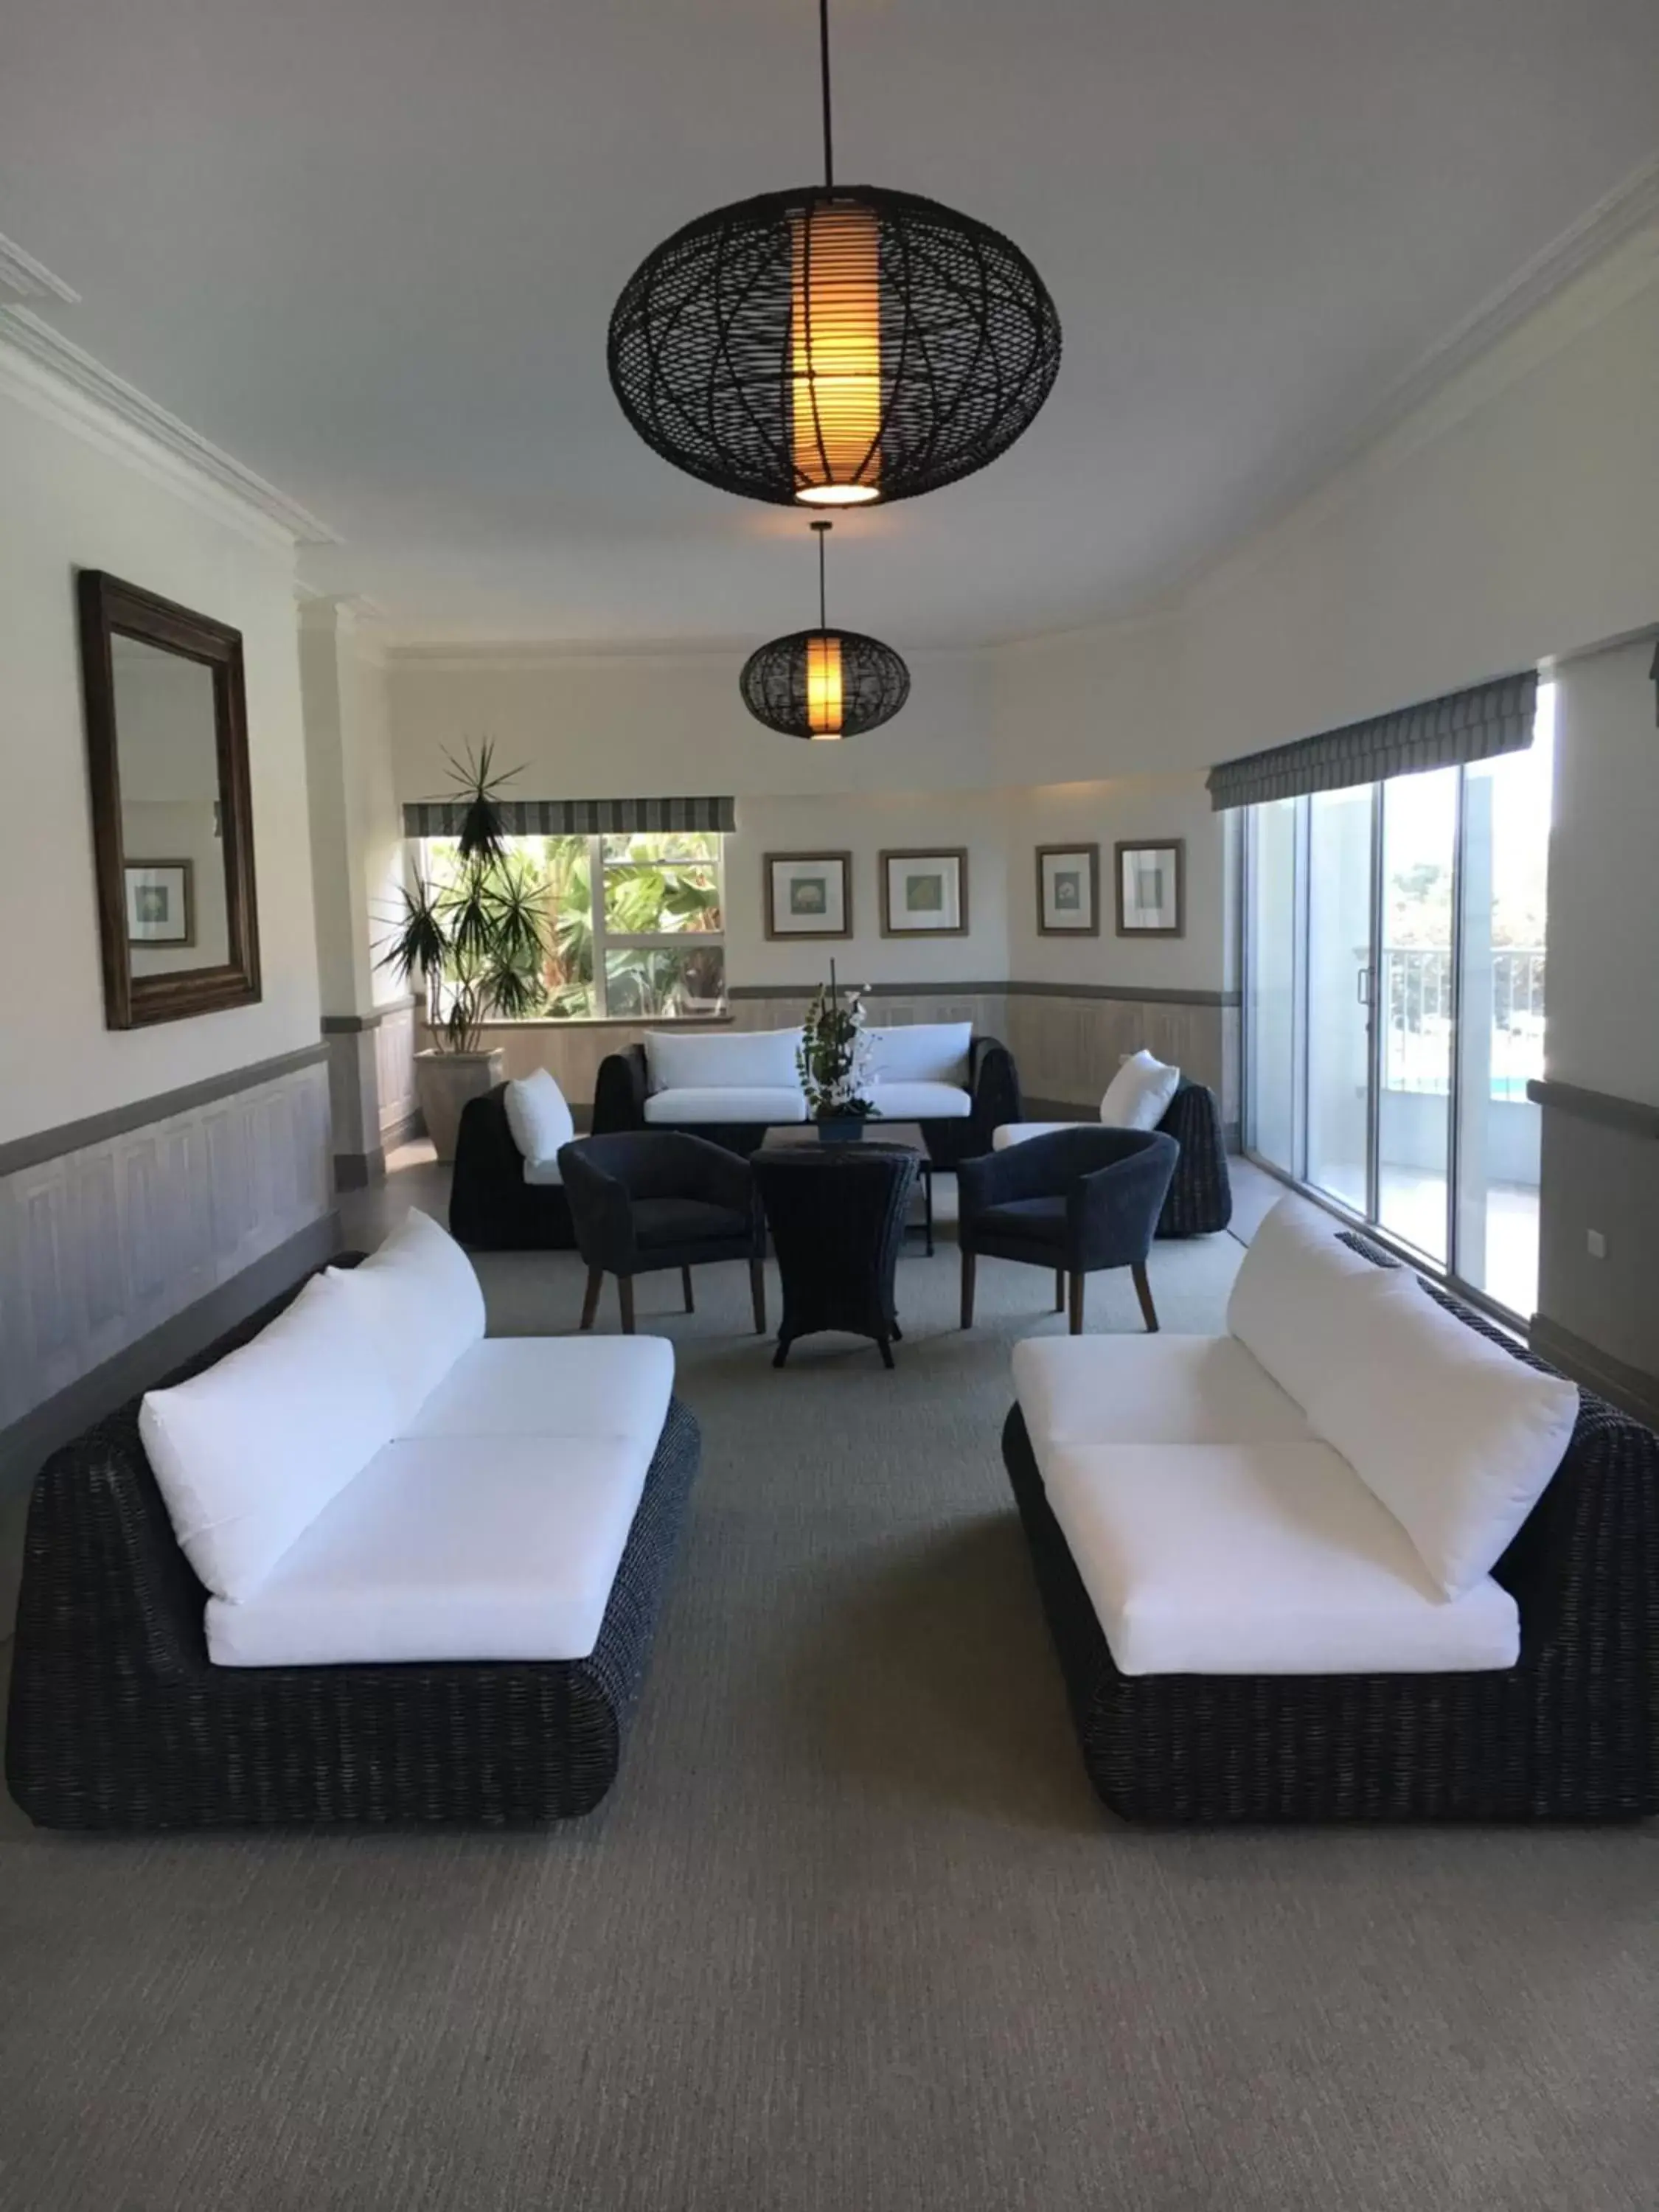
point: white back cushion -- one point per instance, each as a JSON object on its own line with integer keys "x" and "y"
{"x": 249, "y": 1453}
{"x": 1139, "y": 1095}
{"x": 1456, "y": 1437}
{"x": 537, "y": 1117}
{"x": 1280, "y": 1306}
{"x": 753, "y": 1059}
{"x": 416, "y": 1301}
{"x": 920, "y": 1052}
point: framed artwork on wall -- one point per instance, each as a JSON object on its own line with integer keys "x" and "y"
{"x": 1068, "y": 891}
{"x": 809, "y": 894}
{"x": 1152, "y": 889}
{"x": 159, "y": 908}
{"x": 925, "y": 894}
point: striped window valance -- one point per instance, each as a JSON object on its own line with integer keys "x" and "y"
{"x": 1465, "y": 725}
{"x": 577, "y": 817}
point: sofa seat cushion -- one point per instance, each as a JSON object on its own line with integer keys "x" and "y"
{"x": 1259, "y": 1559}
{"x": 660, "y": 1222}
{"x": 1150, "y": 1390}
{"x": 920, "y": 1102}
{"x": 545, "y": 1386}
{"x": 740, "y": 1102}
{"x": 544, "y": 1174}
{"x": 498, "y": 1547}
{"x": 722, "y": 1060}
{"x": 1017, "y": 1132}
{"x": 1023, "y": 1218}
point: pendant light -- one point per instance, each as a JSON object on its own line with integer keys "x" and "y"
{"x": 825, "y": 684}
{"x": 833, "y": 345}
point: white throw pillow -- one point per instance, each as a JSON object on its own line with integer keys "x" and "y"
{"x": 920, "y": 1052}
{"x": 748, "y": 1059}
{"x": 248, "y": 1453}
{"x": 537, "y": 1117}
{"x": 1139, "y": 1095}
{"x": 1455, "y": 1436}
{"x": 1280, "y": 1308}
{"x": 418, "y": 1302}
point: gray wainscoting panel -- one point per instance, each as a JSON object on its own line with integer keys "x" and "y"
{"x": 394, "y": 1068}
{"x": 100, "y": 1246}
{"x": 1069, "y": 1049}
{"x": 1602, "y": 1177}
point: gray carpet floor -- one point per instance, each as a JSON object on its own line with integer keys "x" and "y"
{"x": 852, "y": 1931}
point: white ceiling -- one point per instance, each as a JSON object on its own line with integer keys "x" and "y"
{"x": 370, "y": 247}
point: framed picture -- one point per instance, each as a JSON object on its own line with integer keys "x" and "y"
{"x": 925, "y": 894}
{"x": 1152, "y": 889}
{"x": 161, "y": 909}
{"x": 809, "y": 894}
{"x": 1068, "y": 891}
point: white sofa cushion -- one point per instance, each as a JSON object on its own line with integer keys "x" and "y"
{"x": 1017, "y": 1132}
{"x": 1281, "y": 1302}
{"x": 920, "y": 1052}
{"x": 1259, "y": 1559}
{"x": 248, "y": 1453}
{"x": 1150, "y": 1390}
{"x": 744, "y": 1060}
{"x": 448, "y": 1547}
{"x": 554, "y": 1386}
{"x": 1139, "y": 1095}
{"x": 920, "y": 1102}
{"x": 539, "y": 1119}
{"x": 418, "y": 1299}
{"x": 1454, "y": 1436}
{"x": 741, "y": 1102}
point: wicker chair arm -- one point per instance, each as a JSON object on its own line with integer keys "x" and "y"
{"x": 621, "y": 1092}
{"x": 993, "y": 1081}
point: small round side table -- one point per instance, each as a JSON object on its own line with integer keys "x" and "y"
{"x": 837, "y": 1214}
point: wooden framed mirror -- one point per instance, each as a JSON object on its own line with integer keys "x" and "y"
{"x": 172, "y": 812}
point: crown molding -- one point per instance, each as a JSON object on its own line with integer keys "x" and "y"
{"x": 41, "y": 367}
{"x": 26, "y": 278}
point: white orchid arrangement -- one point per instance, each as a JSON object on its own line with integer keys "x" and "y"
{"x": 834, "y": 1057}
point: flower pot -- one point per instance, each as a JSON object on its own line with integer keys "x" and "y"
{"x": 841, "y": 1129}
{"x": 444, "y": 1081}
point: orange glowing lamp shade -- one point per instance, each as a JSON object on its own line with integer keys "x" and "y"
{"x": 824, "y": 711}
{"x": 834, "y": 386}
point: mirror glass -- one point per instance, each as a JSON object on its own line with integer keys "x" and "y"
{"x": 171, "y": 837}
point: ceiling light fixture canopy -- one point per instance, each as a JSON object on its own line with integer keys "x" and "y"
{"x": 833, "y": 345}
{"x": 825, "y": 684}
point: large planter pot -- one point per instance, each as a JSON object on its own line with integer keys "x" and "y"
{"x": 444, "y": 1081}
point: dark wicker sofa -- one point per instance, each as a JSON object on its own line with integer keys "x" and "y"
{"x": 491, "y": 1207}
{"x": 1570, "y": 1733}
{"x": 118, "y": 1720}
{"x": 623, "y": 1086}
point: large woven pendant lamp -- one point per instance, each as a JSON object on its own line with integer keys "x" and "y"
{"x": 823, "y": 684}
{"x": 833, "y": 345}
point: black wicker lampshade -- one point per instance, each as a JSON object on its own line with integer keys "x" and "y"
{"x": 834, "y": 347}
{"x": 825, "y": 684}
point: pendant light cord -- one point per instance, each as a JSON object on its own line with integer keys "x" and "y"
{"x": 824, "y": 65}
{"x": 823, "y": 530}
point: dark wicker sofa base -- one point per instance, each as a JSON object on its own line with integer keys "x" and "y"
{"x": 1568, "y": 1734}
{"x": 118, "y": 1719}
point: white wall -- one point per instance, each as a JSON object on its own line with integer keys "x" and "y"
{"x": 68, "y": 505}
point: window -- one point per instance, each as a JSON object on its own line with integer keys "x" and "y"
{"x": 1394, "y": 1006}
{"x": 635, "y": 923}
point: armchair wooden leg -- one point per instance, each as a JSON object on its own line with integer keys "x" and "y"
{"x": 685, "y": 1281}
{"x": 625, "y": 1299}
{"x": 1078, "y": 1280}
{"x": 1060, "y": 1289}
{"x": 1144, "y": 1292}
{"x": 758, "y": 1292}
{"x": 590, "y": 1298}
{"x": 968, "y": 1260}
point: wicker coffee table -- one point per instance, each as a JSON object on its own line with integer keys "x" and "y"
{"x": 838, "y": 1215}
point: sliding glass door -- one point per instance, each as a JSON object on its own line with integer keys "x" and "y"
{"x": 1394, "y": 1006}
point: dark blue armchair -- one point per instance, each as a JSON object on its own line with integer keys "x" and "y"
{"x": 647, "y": 1198}
{"x": 1076, "y": 1202}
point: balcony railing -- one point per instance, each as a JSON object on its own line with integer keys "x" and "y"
{"x": 1417, "y": 1037}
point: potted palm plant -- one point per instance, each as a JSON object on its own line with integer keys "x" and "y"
{"x": 832, "y": 1062}
{"x": 473, "y": 932}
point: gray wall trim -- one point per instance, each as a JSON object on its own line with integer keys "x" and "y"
{"x": 355, "y": 1025}
{"x": 1630, "y": 1388}
{"x": 98, "y": 1128}
{"x": 27, "y": 1442}
{"x": 1601, "y": 1106}
{"x": 874, "y": 991}
{"x": 1127, "y": 993}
